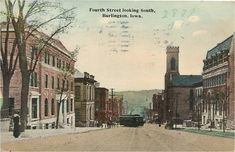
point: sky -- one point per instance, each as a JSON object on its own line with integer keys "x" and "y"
{"x": 130, "y": 53}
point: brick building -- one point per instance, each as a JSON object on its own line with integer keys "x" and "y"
{"x": 158, "y": 105}
{"x": 117, "y": 107}
{"x": 178, "y": 88}
{"x": 101, "y": 105}
{"x": 198, "y": 101}
{"x": 84, "y": 99}
{"x": 218, "y": 84}
{"x": 45, "y": 84}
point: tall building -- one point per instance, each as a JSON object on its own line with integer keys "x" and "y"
{"x": 101, "y": 104}
{"x": 45, "y": 84}
{"x": 178, "y": 88}
{"x": 84, "y": 99}
{"x": 117, "y": 107}
{"x": 218, "y": 84}
{"x": 158, "y": 106}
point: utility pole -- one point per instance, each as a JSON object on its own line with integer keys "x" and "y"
{"x": 112, "y": 101}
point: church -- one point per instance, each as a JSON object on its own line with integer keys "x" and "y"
{"x": 179, "y": 89}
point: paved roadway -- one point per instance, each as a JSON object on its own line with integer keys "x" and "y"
{"x": 147, "y": 138}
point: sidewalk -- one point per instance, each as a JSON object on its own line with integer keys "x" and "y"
{"x": 38, "y": 133}
{"x": 206, "y": 131}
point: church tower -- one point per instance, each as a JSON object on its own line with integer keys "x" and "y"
{"x": 172, "y": 63}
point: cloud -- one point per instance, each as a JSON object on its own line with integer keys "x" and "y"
{"x": 193, "y": 18}
{"x": 200, "y": 32}
{"x": 178, "y": 24}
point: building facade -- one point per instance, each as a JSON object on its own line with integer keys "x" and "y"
{"x": 158, "y": 106}
{"x": 218, "y": 84}
{"x": 101, "y": 105}
{"x": 45, "y": 84}
{"x": 84, "y": 99}
{"x": 198, "y": 98}
{"x": 117, "y": 107}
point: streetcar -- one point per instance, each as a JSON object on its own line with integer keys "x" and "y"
{"x": 131, "y": 120}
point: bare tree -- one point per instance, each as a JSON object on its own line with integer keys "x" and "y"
{"x": 8, "y": 61}
{"x": 64, "y": 92}
{"x": 222, "y": 98}
{"x": 27, "y": 21}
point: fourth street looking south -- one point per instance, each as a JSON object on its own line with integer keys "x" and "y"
{"x": 73, "y": 78}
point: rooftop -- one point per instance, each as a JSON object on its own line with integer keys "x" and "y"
{"x": 223, "y": 46}
{"x": 186, "y": 80}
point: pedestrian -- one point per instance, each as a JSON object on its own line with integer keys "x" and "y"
{"x": 16, "y": 130}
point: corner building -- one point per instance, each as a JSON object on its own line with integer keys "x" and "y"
{"x": 45, "y": 84}
{"x": 218, "y": 85}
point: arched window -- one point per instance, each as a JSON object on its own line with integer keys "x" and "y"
{"x": 173, "y": 64}
{"x": 46, "y": 107}
{"x": 52, "y": 107}
{"x": 90, "y": 113}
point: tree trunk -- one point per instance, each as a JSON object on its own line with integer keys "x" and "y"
{"x": 58, "y": 115}
{"x": 25, "y": 76}
{"x": 24, "y": 99}
{"x": 5, "y": 105}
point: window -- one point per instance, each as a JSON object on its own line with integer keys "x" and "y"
{"x": 46, "y": 57}
{"x": 46, "y": 81}
{"x": 67, "y": 120}
{"x": 33, "y": 79}
{"x": 62, "y": 106}
{"x": 90, "y": 94}
{"x": 71, "y": 86}
{"x": 67, "y": 85}
{"x": 53, "y": 61}
{"x": 58, "y": 83}
{"x": 46, "y": 107}
{"x": 34, "y": 108}
{"x": 90, "y": 113}
{"x": 52, "y": 82}
{"x": 52, "y": 107}
{"x": 58, "y": 63}
{"x": 63, "y": 65}
{"x": 67, "y": 106}
{"x": 71, "y": 104}
{"x": 63, "y": 84}
{"x": 173, "y": 64}
{"x": 33, "y": 51}
{"x": 67, "y": 66}
{"x": 77, "y": 92}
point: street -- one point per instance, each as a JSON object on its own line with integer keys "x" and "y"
{"x": 147, "y": 138}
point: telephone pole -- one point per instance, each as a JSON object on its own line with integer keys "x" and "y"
{"x": 112, "y": 101}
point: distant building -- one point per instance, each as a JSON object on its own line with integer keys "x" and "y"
{"x": 198, "y": 102}
{"x": 178, "y": 88}
{"x": 45, "y": 84}
{"x": 158, "y": 105}
{"x": 84, "y": 99}
{"x": 117, "y": 107}
{"x": 218, "y": 84}
{"x": 101, "y": 105}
